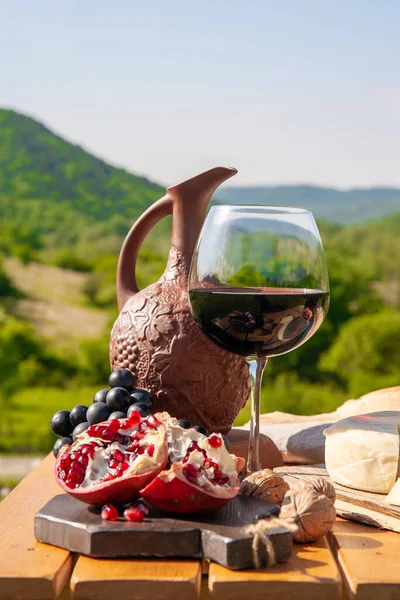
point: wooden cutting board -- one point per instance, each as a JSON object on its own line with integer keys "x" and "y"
{"x": 221, "y": 536}
{"x": 354, "y": 505}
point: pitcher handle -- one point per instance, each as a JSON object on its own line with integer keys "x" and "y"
{"x": 126, "y": 272}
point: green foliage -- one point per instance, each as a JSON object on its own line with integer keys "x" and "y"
{"x": 25, "y": 427}
{"x": 55, "y": 195}
{"x": 25, "y": 361}
{"x": 6, "y": 287}
{"x": 366, "y": 354}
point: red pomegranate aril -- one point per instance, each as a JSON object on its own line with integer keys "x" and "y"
{"x": 70, "y": 483}
{"x": 118, "y": 455}
{"x": 150, "y": 450}
{"x": 142, "y": 506}
{"x": 122, "y": 466}
{"x": 114, "y": 425}
{"x": 132, "y": 447}
{"x": 152, "y": 421}
{"x": 125, "y": 424}
{"x": 88, "y": 451}
{"x": 141, "y": 450}
{"x": 109, "y": 513}
{"x": 215, "y": 441}
{"x": 134, "y": 514}
{"x": 134, "y": 418}
{"x": 83, "y": 460}
{"x": 113, "y": 463}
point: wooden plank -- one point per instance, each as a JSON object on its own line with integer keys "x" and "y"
{"x": 311, "y": 574}
{"x": 102, "y": 579}
{"x": 29, "y": 569}
{"x": 368, "y": 559}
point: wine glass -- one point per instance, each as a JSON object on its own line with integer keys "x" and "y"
{"x": 259, "y": 287}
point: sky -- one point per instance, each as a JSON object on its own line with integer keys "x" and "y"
{"x": 290, "y": 91}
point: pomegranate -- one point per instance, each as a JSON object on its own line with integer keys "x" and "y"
{"x": 202, "y": 476}
{"x": 112, "y": 461}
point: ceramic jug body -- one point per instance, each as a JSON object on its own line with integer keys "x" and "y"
{"x": 155, "y": 335}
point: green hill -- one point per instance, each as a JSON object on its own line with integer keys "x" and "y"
{"x": 54, "y": 194}
{"x": 339, "y": 206}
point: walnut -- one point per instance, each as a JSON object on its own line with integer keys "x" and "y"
{"x": 265, "y": 485}
{"x": 312, "y": 512}
{"x": 320, "y": 484}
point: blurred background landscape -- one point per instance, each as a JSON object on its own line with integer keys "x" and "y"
{"x": 289, "y": 113}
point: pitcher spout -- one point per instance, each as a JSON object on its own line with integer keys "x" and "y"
{"x": 190, "y": 201}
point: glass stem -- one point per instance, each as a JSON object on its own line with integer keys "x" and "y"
{"x": 257, "y": 367}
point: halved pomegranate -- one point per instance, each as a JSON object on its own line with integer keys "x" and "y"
{"x": 112, "y": 461}
{"x": 202, "y": 476}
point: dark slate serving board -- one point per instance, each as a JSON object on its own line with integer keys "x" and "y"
{"x": 220, "y": 536}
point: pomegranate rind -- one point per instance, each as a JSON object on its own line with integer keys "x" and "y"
{"x": 171, "y": 492}
{"x": 117, "y": 491}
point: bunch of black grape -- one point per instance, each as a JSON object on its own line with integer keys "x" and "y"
{"x": 115, "y": 403}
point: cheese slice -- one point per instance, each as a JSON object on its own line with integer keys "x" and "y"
{"x": 393, "y": 496}
{"x": 362, "y": 452}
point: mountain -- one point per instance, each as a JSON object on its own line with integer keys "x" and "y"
{"x": 340, "y": 206}
{"x": 55, "y": 194}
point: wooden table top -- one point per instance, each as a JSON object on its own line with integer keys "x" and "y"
{"x": 355, "y": 561}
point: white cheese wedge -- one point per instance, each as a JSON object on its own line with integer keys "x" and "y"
{"x": 393, "y": 496}
{"x": 362, "y": 452}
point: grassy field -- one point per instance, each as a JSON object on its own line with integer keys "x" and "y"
{"x": 54, "y": 302}
{"x": 26, "y": 425}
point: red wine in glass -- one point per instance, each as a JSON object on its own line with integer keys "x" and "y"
{"x": 258, "y": 322}
{"x": 259, "y": 287}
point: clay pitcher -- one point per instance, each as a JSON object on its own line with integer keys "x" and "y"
{"x": 155, "y": 335}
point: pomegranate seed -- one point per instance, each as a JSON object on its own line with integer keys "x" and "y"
{"x": 88, "y": 451}
{"x": 83, "y": 460}
{"x": 141, "y": 450}
{"x": 118, "y": 455}
{"x": 215, "y": 441}
{"x": 62, "y": 474}
{"x": 150, "y": 450}
{"x": 191, "y": 473}
{"x": 134, "y": 514}
{"x": 153, "y": 421}
{"x": 122, "y": 466}
{"x": 132, "y": 447}
{"x": 70, "y": 483}
{"x": 109, "y": 513}
{"x": 134, "y": 418}
{"x": 124, "y": 424}
{"x": 114, "y": 425}
{"x": 113, "y": 463}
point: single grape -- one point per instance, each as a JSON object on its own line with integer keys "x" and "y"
{"x": 122, "y": 378}
{"x": 97, "y": 413}
{"x": 60, "y": 423}
{"x": 78, "y": 414}
{"x": 100, "y": 396}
